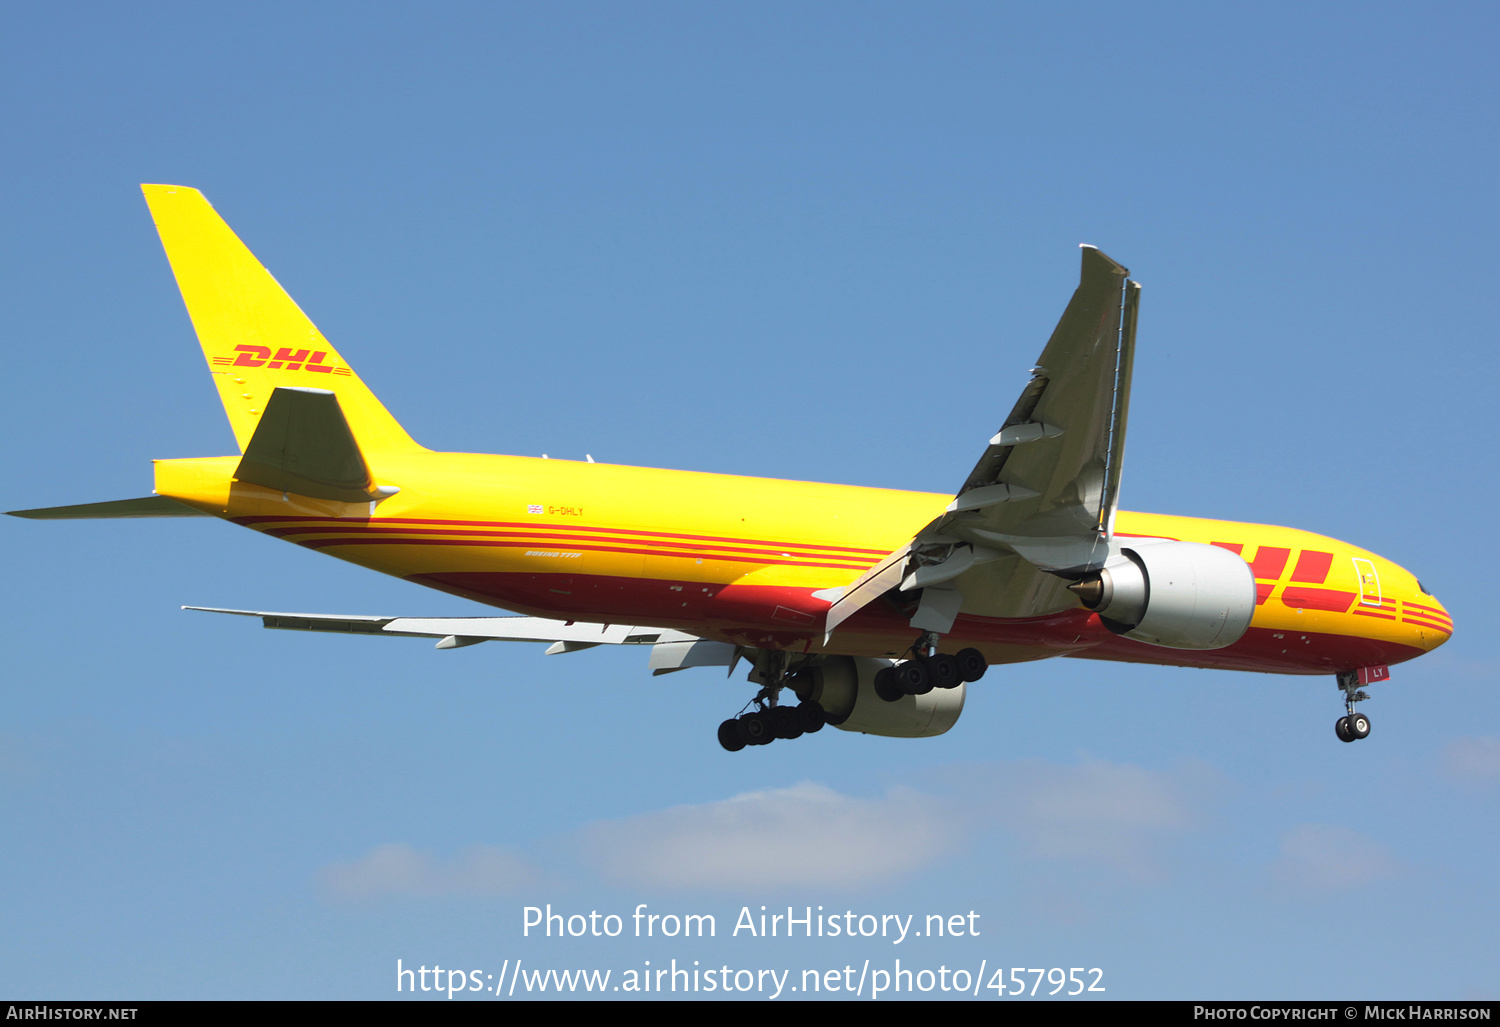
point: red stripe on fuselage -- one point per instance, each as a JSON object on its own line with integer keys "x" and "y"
{"x": 530, "y": 538}
{"x": 1427, "y": 609}
{"x": 747, "y": 614}
{"x": 1446, "y": 629}
{"x": 358, "y": 523}
{"x": 325, "y": 543}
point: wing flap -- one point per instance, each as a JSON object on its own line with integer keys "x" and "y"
{"x": 484, "y": 629}
{"x": 871, "y": 585}
{"x": 667, "y": 657}
{"x": 534, "y": 629}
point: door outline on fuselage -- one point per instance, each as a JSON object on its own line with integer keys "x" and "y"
{"x": 1369, "y": 582}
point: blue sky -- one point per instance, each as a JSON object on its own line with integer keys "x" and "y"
{"x": 807, "y": 241}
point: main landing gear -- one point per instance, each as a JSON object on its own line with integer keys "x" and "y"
{"x": 767, "y": 720}
{"x": 1352, "y": 726}
{"x": 766, "y": 723}
{"x": 928, "y": 669}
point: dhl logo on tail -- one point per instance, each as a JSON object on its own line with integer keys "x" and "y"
{"x": 285, "y": 358}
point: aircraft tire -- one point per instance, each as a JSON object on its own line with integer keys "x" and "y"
{"x": 914, "y": 677}
{"x": 1341, "y": 728}
{"x": 755, "y": 729}
{"x": 971, "y": 664}
{"x": 886, "y": 685}
{"x": 785, "y": 723}
{"x": 945, "y": 671}
{"x": 729, "y": 735}
{"x": 811, "y": 715}
{"x": 1359, "y": 726}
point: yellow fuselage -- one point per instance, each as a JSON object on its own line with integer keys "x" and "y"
{"x": 739, "y": 559}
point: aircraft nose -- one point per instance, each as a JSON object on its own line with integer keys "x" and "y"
{"x": 1429, "y": 618}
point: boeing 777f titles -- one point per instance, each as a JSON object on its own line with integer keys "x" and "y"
{"x": 872, "y": 607}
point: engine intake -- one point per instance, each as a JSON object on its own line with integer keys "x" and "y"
{"x": 1180, "y": 595}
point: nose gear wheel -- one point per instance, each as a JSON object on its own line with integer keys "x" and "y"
{"x": 1352, "y": 726}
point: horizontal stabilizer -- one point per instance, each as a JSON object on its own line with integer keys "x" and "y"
{"x": 148, "y": 506}
{"x": 303, "y": 444}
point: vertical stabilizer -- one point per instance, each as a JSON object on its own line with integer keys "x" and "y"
{"x": 254, "y": 337}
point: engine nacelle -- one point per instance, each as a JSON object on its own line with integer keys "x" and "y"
{"x": 1181, "y": 595}
{"x": 845, "y": 687}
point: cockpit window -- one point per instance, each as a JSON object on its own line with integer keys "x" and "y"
{"x": 1424, "y": 589}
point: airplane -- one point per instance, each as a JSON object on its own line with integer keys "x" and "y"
{"x": 874, "y": 608}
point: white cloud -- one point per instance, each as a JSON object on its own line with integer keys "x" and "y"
{"x": 1328, "y": 858}
{"x": 806, "y": 835}
{"x": 1113, "y": 813}
{"x": 1473, "y": 759}
{"x": 396, "y": 869}
{"x": 811, "y": 836}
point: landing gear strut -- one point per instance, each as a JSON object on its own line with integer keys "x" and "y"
{"x": 764, "y": 720}
{"x": 928, "y": 669}
{"x": 1352, "y": 726}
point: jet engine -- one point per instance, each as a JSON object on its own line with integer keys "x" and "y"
{"x": 1181, "y": 595}
{"x": 845, "y": 687}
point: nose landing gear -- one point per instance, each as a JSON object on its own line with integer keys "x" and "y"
{"x": 1352, "y": 726}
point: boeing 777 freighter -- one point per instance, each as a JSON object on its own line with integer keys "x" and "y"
{"x": 873, "y": 607}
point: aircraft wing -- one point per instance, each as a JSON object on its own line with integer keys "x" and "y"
{"x": 671, "y": 650}
{"x": 1038, "y": 508}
